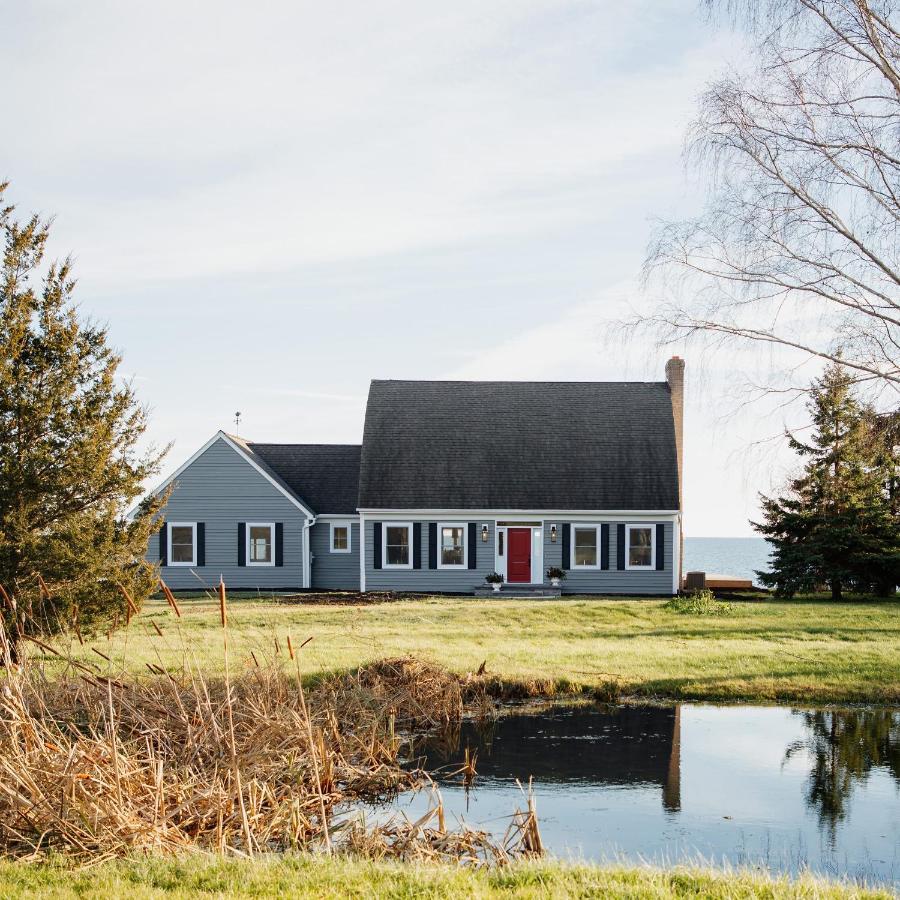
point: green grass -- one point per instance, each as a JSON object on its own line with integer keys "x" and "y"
{"x": 298, "y": 876}
{"x": 759, "y": 652}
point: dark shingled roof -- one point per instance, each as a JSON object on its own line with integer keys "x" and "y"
{"x": 519, "y": 445}
{"x": 324, "y": 477}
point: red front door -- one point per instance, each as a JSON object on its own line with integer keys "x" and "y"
{"x": 518, "y": 555}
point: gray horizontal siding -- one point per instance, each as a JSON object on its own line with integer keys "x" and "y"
{"x": 221, "y": 488}
{"x": 439, "y": 580}
{"x": 334, "y": 571}
{"x": 611, "y": 581}
{"x": 595, "y": 581}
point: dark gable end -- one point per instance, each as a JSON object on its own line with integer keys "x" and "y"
{"x": 519, "y": 445}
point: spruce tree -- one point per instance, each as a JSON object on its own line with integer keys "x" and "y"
{"x": 837, "y": 525}
{"x": 69, "y": 463}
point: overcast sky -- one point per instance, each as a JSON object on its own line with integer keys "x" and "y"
{"x": 271, "y": 204}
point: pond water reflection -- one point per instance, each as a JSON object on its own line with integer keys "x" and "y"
{"x": 782, "y": 788}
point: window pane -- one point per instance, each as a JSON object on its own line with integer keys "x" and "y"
{"x": 500, "y": 536}
{"x": 182, "y": 543}
{"x": 640, "y": 546}
{"x": 397, "y": 545}
{"x": 260, "y": 543}
{"x": 340, "y": 537}
{"x": 452, "y": 552}
{"x": 585, "y": 546}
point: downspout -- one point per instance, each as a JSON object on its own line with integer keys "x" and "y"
{"x": 362, "y": 553}
{"x": 307, "y": 561}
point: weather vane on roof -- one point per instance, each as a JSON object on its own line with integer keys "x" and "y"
{"x": 237, "y": 422}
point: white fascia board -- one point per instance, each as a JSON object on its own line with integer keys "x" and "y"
{"x": 338, "y": 517}
{"x": 221, "y": 436}
{"x": 570, "y": 514}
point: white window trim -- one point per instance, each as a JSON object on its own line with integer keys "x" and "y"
{"x": 586, "y": 526}
{"x": 440, "y": 545}
{"x": 193, "y": 527}
{"x": 349, "y": 546}
{"x": 628, "y": 530}
{"x": 411, "y": 536}
{"x": 271, "y": 527}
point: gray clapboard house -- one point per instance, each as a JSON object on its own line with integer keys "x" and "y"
{"x": 453, "y": 480}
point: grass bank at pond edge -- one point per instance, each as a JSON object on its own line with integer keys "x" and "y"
{"x": 761, "y": 652}
{"x": 304, "y": 876}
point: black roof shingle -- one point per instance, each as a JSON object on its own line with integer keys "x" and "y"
{"x": 325, "y": 477}
{"x": 519, "y": 445}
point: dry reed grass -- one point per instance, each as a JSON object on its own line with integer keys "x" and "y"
{"x": 98, "y": 764}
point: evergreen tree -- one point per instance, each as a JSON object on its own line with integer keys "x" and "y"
{"x": 69, "y": 464}
{"x": 838, "y": 524}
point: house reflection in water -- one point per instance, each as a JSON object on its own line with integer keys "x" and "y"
{"x": 598, "y": 745}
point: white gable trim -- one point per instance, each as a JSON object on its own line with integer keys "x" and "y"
{"x": 221, "y": 436}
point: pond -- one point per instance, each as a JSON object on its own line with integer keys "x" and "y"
{"x": 784, "y": 789}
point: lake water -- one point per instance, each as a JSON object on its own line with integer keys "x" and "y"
{"x": 741, "y": 557}
{"x": 780, "y": 788}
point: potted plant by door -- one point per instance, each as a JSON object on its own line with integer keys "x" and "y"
{"x": 495, "y": 580}
{"x": 555, "y": 574}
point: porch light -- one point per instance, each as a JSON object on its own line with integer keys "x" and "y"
{"x": 484, "y": 534}
{"x": 552, "y": 534}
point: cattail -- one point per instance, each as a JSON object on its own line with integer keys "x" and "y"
{"x": 6, "y": 599}
{"x": 45, "y": 591}
{"x": 132, "y": 609}
{"x": 223, "y": 613}
{"x": 156, "y": 627}
{"x": 170, "y": 598}
{"x": 290, "y": 647}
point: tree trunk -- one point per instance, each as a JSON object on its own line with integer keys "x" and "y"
{"x": 836, "y": 593}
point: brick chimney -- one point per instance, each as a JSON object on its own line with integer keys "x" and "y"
{"x": 675, "y": 377}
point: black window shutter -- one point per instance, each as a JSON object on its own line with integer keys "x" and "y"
{"x": 376, "y": 545}
{"x": 620, "y": 546}
{"x": 566, "y": 546}
{"x": 473, "y": 545}
{"x": 432, "y": 545}
{"x": 242, "y": 543}
{"x": 279, "y": 543}
{"x": 660, "y": 545}
{"x": 164, "y": 545}
{"x": 417, "y": 545}
{"x": 604, "y": 546}
{"x": 201, "y": 544}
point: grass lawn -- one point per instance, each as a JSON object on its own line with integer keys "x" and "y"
{"x": 309, "y": 877}
{"x": 761, "y": 652}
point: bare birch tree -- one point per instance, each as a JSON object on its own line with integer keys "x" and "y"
{"x": 797, "y": 245}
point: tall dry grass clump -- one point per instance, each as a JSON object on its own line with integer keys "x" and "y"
{"x": 96, "y": 764}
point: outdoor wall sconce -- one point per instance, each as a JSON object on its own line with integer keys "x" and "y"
{"x": 484, "y": 534}
{"x": 552, "y": 534}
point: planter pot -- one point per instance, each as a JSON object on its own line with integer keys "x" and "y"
{"x": 554, "y": 582}
{"x": 496, "y": 586}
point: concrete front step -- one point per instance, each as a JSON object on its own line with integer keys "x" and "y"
{"x": 509, "y": 591}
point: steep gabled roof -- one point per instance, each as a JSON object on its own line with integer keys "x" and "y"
{"x": 325, "y": 477}
{"x": 519, "y": 445}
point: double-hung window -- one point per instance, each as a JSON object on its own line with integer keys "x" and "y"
{"x": 397, "y": 545}
{"x": 340, "y": 537}
{"x": 585, "y": 546}
{"x": 640, "y": 547}
{"x": 260, "y": 543}
{"x": 182, "y": 544}
{"x": 452, "y": 546}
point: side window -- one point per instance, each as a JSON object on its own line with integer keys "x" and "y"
{"x": 340, "y": 538}
{"x": 397, "y": 546}
{"x": 584, "y": 546}
{"x": 452, "y": 546}
{"x": 640, "y": 547}
{"x": 260, "y": 544}
{"x": 182, "y": 543}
